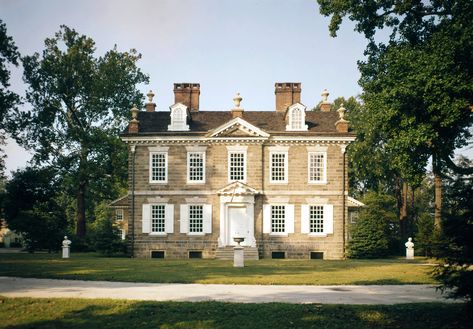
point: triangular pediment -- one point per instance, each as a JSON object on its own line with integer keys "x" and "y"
{"x": 238, "y": 127}
{"x": 237, "y": 188}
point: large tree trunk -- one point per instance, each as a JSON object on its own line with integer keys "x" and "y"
{"x": 437, "y": 194}
{"x": 403, "y": 211}
{"x": 81, "y": 193}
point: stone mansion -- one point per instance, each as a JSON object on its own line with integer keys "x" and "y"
{"x": 198, "y": 179}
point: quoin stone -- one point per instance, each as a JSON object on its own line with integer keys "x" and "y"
{"x": 409, "y": 249}
{"x": 66, "y": 246}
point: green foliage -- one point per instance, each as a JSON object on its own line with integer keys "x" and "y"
{"x": 375, "y": 233}
{"x": 105, "y": 235}
{"x": 456, "y": 252}
{"x": 32, "y": 210}
{"x": 425, "y": 238}
{"x": 8, "y": 100}
{"x": 80, "y": 102}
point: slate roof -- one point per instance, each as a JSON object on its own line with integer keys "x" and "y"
{"x": 156, "y": 123}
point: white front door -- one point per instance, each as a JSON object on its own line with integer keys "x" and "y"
{"x": 238, "y": 225}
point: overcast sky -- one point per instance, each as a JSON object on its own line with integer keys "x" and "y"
{"x": 227, "y": 46}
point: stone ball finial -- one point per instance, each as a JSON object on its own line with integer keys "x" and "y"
{"x": 324, "y": 95}
{"x": 237, "y": 100}
{"x": 150, "y": 95}
{"x": 341, "y": 112}
{"x": 134, "y": 112}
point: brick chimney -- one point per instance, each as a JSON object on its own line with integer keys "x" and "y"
{"x": 150, "y": 106}
{"x": 187, "y": 94}
{"x": 287, "y": 93}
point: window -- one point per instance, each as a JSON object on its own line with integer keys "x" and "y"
{"x": 237, "y": 166}
{"x": 119, "y": 215}
{"x": 196, "y": 167}
{"x": 278, "y": 219}
{"x": 317, "y": 165}
{"x": 158, "y": 167}
{"x": 279, "y": 167}
{"x": 158, "y": 218}
{"x": 296, "y": 118}
{"x": 196, "y": 219}
{"x": 316, "y": 219}
{"x": 178, "y": 118}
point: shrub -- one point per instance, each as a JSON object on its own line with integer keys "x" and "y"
{"x": 105, "y": 236}
{"x": 375, "y": 233}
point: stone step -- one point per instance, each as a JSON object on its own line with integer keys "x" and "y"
{"x": 226, "y": 253}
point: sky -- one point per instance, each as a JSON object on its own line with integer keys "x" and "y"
{"x": 227, "y": 46}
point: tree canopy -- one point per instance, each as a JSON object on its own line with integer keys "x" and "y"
{"x": 80, "y": 101}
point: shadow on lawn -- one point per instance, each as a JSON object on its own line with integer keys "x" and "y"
{"x": 121, "y": 314}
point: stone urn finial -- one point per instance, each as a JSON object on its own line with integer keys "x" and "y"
{"x": 134, "y": 112}
{"x": 341, "y": 112}
{"x": 237, "y": 100}
{"x": 324, "y": 95}
{"x": 150, "y": 95}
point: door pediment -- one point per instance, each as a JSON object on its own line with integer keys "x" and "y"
{"x": 237, "y": 188}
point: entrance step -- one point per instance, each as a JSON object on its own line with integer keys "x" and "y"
{"x": 226, "y": 253}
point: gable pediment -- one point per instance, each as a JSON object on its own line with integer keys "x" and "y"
{"x": 238, "y": 127}
{"x": 237, "y": 188}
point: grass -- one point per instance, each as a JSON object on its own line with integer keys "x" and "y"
{"x": 304, "y": 272}
{"x": 22, "y": 313}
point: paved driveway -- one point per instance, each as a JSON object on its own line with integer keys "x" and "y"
{"x": 373, "y": 294}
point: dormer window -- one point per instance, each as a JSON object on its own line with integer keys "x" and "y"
{"x": 178, "y": 118}
{"x": 295, "y": 118}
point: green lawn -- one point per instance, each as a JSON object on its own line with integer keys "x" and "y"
{"x": 313, "y": 272}
{"x": 83, "y": 313}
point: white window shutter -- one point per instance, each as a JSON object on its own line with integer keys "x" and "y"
{"x": 169, "y": 218}
{"x": 184, "y": 227}
{"x": 305, "y": 218}
{"x": 266, "y": 218}
{"x": 328, "y": 219}
{"x": 290, "y": 218}
{"x": 146, "y": 218}
{"x": 207, "y": 218}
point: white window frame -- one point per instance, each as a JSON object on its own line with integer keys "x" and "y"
{"x": 237, "y": 150}
{"x": 189, "y": 180}
{"x": 302, "y": 126}
{"x": 180, "y": 125}
{"x": 327, "y": 220}
{"x": 154, "y": 151}
{"x": 286, "y": 165}
{"x": 324, "y": 169}
{"x": 206, "y": 219}
{"x": 119, "y": 215}
{"x": 288, "y": 219}
{"x": 147, "y": 219}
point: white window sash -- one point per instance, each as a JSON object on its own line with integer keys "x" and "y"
{"x": 286, "y": 167}
{"x": 195, "y": 181}
{"x": 230, "y": 180}
{"x": 323, "y": 180}
{"x": 151, "y": 180}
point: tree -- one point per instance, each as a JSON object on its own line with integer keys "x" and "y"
{"x": 105, "y": 234}
{"x": 418, "y": 87}
{"x": 8, "y": 100}
{"x": 375, "y": 233}
{"x": 456, "y": 251}
{"x": 80, "y": 102}
{"x": 31, "y": 207}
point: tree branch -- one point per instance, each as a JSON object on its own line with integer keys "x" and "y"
{"x": 459, "y": 170}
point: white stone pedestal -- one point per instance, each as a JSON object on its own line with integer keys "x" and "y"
{"x": 65, "y": 252}
{"x": 238, "y": 257}
{"x": 410, "y": 253}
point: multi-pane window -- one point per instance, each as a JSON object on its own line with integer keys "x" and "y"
{"x": 296, "y": 119}
{"x": 316, "y": 167}
{"x": 158, "y": 217}
{"x": 278, "y": 219}
{"x": 196, "y": 219}
{"x": 278, "y": 167}
{"x": 195, "y": 166}
{"x": 237, "y": 166}
{"x": 158, "y": 167}
{"x": 119, "y": 214}
{"x": 316, "y": 219}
